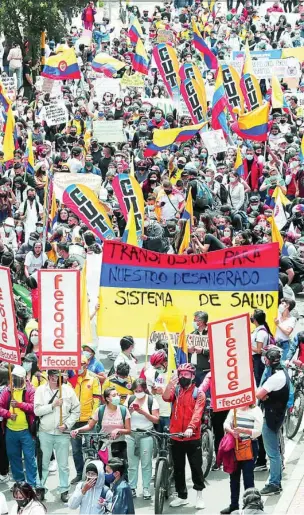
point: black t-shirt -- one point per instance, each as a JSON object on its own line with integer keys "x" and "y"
{"x": 296, "y": 264}
{"x": 203, "y": 363}
{"x": 96, "y": 155}
{"x": 26, "y": 71}
{"x": 103, "y": 165}
{"x": 215, "y": 243}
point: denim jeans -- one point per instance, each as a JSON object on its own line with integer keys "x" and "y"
{"x": 272, "y": 447}
{"x": 18, "y": 442}
{"x": 285, "y": 347}
{"x": 61, "y": 444}
{"x": 163, "y": 422}
{"x": 145, "y": 457}
{"x": 18, "y": 72}
{"x": 247, "y": 468}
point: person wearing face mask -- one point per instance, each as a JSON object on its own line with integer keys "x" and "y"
{"x": 8, "y": 235}
{"x": 144, "y": 412}
{"x": 142, "y": 133}
{"x": 26, "y": 246}
{"x": 51, "y": 435}
{"x": 121, "y": 380}
{"x": 154, "y": 237}
{"x": 126, "y": 355}
{"x": 187, "y": 408}
{"x": 89, "y": 166}
{"x": 88, "y": 391}
{"x": 33, "y": 342}
{"x": 156, "y": 378}
{"x": 29, "y": 212}
{"x": 253, "y": 169}
{"x": 285, "y": 324}
{"x": 94, "y": 365}
{"x": 17, "y": 411}
{"x": 26, "y": 500}
{"x": 122, "y": 494}
{"x": 158, "y": 121}
{"x": 71, "y": 137}
{"x": 91, "y": 495}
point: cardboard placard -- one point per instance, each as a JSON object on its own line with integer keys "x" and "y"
{"x": 165, "y": 36}
{"x": 55, "y": 114}
{"x": 109, "y": 131}
{"x": 214, "y": 141}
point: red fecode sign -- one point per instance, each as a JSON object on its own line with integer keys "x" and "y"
{"x": 9, "y": 343}
{"x": 59, "y": 319}
{"x": 233, "y": 384}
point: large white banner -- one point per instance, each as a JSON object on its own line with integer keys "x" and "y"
{"x": 231, "y": 363}
{"x": 63, "y": 180}
{"x": 9, "y": 343}
{"x": 59, "y": 319}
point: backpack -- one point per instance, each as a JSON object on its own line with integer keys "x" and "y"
{"x": 101, "y": 411}
{"x": 25, "y": 207}
{"x": 271, "y": 340}
{"x": 203, "y": 195}
{"x": 223, "y": 194}
{"x": 194, "y": 393}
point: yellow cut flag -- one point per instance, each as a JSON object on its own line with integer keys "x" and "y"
{"x": 86, "y": 331}
{"x": 8, "y": 140}
{"x": 186, "y": 238}
{"x": 131, "y": 237}
{"x": 275, "y": 233}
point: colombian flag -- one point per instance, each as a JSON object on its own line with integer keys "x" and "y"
{"x": 29, "y": 154}
{"x": 8, "y": 140}
{"x": 135, "y": 30}
{"x": 253, "y": 125}
{"x": 182, "y": 347}
{"x": 109, "y": 66}
{"x": 62, "y": 66}
{"x": 277, "y": 96}
{"x": 302, "y": 150}
{"x": 4, "y": 100}
{"x": 186, "y": 238}
{"x": 140, "y": 61}
{"x": 130, "y": 235}
{"x": 198, "y": 42}
{"x": 188, "y": 211}
{"x": 164, "y": 138}
{"x": 219, "y": 105}
{"x": 238, "y": 165}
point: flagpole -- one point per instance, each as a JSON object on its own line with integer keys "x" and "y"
{"x": 46, "y": 208}
{"x": 147, "y": 344}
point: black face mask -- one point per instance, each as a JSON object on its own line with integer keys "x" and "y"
{"x": 251, "y": 319}
{"x": 184, "y": 382}
{"x": 22, "y": 502}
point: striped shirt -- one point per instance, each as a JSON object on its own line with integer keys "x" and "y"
{"x": 249, "y": 418}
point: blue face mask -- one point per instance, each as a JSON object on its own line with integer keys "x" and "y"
{"x": 77, "y": 117}
{"x": 109, "y": 478}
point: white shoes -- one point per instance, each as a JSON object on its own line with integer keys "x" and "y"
{"x": 199, "y": 505}
{"x": 178, "y": 502}
{"x": 53, "y": 466}
{"x": 4, "y": 479}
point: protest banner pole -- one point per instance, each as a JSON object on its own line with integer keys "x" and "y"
{"x": 11, "y": 383}
{"x": 235, "y": 425}
{"x": 147, "y": 343}
{"x": 46, "y": 208}
{"x": 60, "y": 397}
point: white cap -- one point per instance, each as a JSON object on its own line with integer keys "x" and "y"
{"x": 19, "y": 371}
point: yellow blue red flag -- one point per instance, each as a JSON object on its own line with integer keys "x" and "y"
{"x": 106, "y": 64}
{"x": 302, "y": 150}
{"x": 8, "y": 147}
{"x": 199, "y": 43}
{"x": 239, "y": 165}
{"x": 62, "y": 66}
{"x": 140, "y": 61}
{"x": 182, "y": 347}
{"x": 164, "y": 138}
{"x": 219, "y": 105}
{"x": 135, "y": 31}
{"x": 29, "y": 154}
{"x": 185, "y": 243}
{"x": 129, "y": 235}
{"x": 253, "y": 125}
{"x": 188, "y": 211}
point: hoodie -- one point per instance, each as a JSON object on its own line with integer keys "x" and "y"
{"x": 89, "y": 503}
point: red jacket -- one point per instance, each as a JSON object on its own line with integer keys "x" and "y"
{"x": 27, "y": 406}
{"x": 186, "y": 411}
{"x": 254, "y": 174}
{"x": 226, "y": 454}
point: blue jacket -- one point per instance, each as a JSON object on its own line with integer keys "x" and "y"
{"x": 95, "y": 366}
{"x": 292, "y": 348}
{"x": 122, "y": 498}
{"x": 89, "y": 503}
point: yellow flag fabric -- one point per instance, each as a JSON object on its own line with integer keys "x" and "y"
{"x": 131, "y": 237}
{"x": 86, "y": 331}
{"x": 186, "y": 238}
{"x": 8, "y": 140}
{"x": 275, "y": 233}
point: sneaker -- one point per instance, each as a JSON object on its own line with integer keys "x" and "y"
{"x": 147, "y": 495}
{"x": 215, "y": 467}
{"x": 133, "y": 493}
{"x": 64, "y": 497}
{"x": 178, "y": 502}
{"x": 260, "y": 468}
{"x": 230, "y": 509}
{"x": 270, "y": 490}
{"x": 53, "y": 466}
{"x": 4, "y": 479}
{"x": 76, "y": 479}
{"x": 199, "y": 505}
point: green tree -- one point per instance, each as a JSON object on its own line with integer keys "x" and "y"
{"x": 24, "y": 20}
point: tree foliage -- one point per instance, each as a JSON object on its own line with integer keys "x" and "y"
{"x": 24, "y": 20}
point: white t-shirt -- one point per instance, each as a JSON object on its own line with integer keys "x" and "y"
{"x": 289, "y": 322}
{"x": 140, "y": 421}
{"x": 123, "y": 358}
{"x": 112, "y": 420}
{"x": 260, "y": 335}
{"x": 3, "y": 504}
{"x": 168, "y": 211}
{"x": 160, "y": 382}
{"x": 34, "y": 263}
{"x": 74, "y": 164}
{"x": 275, "y": 382}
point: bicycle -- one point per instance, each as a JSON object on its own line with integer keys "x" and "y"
{"x": 163, "y": 468}
{"x": 295, "y": 414}
{"x": 92, "y": 446}
{"x": 207, "y": 442}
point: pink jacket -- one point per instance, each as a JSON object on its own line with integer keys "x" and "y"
{"x": 27, "y": 406}
{"x": 226, "y": 454}
{"x": 207, "y": 385}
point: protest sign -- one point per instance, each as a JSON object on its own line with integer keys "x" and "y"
{"x": 109, "y": 131}
{"x": 214, "y": 141}
{"x": 155, "y": 288}
{"x": 135, "y": 80}
{"x": 165, "y": 36}
{"x": 63, "y": 180}
{"x": 106, "y": 85}
{"x": 231, "y": 363}
{"x": 59, "y": 319}
{"x": 10, "y": 86}
{"x": 84, "y": 203}
{"x": 55, "y": 114}
{"x": 9, "y": 343}
{"x": 266, "y": 68}
{"x": 52, "y": 87}
{"x": 297, "y": 52}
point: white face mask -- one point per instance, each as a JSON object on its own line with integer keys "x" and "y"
{"x": 139, "y": 395}
{"x": 282, "y": 308}
{"x": 8, "y": 229}
{"x": 34, "y": 340}
{"x": 19, "y": 228}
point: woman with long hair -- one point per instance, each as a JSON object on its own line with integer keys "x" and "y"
{"x": 27, "y": 501}
{"x": 260, "y": 339}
